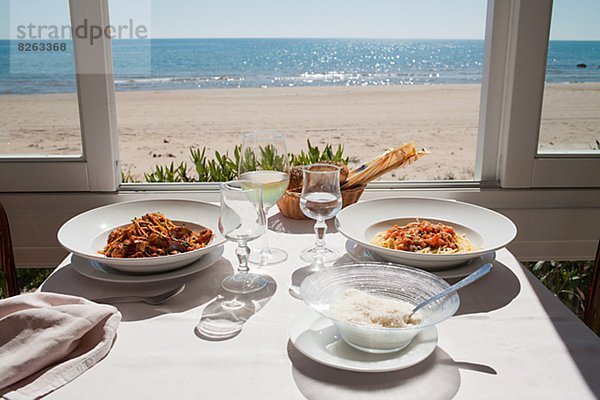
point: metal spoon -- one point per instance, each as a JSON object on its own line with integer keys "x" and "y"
{"x": 151, "y": 300}
{"x": 458, "y": 285}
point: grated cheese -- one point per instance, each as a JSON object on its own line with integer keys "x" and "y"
{"x": 361, "y": 308}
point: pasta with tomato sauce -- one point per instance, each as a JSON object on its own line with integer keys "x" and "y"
{"x": 154, "y": 235}
{"x": 424, "y": 237}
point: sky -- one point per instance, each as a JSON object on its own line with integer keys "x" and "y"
{"x": 427, "y": 19}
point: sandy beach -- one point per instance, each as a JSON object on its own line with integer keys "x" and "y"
{"x": 159, "y": 127}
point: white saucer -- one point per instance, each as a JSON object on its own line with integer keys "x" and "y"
{"x": 95, "y": 270}
{"x": 359, "y": 253}
{"x": 318, "y": 339}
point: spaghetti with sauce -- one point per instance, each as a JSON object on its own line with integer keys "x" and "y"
{"x": 154, "y": 235}
{"x": 424, "y": 237}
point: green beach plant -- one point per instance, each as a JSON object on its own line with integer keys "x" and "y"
{"x": 224, "y": 168}
{"x": 315, "y": 155}
{"x": 169, "y": 173}
{"x": 270, "y": 159}
{"x": 568, "y": 280}
{"x": 28, "y": 279}
{"x": 127, "y": 177}
{"x": 199, "y": 160}
{"x": 220, "y": 169}
{"x": 248, "y": 162}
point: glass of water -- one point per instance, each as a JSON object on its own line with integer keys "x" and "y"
{"x": 321, "y": 200}
{"x": 241, "y": 220}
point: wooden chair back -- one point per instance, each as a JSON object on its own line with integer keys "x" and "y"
{"x": 7, "y": 259}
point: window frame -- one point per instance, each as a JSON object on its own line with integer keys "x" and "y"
{"x": 522, "y": 166}
{"x": 517, "y": 33}
{"x": 97, "y": 168}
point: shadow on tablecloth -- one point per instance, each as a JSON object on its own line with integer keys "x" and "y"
{"x": 492, "y": 292}
{"x": 281, "y": 223}
{"x": 435, "y": 378}
{"x": 302, "y": 273}
{"x": 224, "y": 318}
{"x": 582, "y": 344}
{"x": 200, "y": 288}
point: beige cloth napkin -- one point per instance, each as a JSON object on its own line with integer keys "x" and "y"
{"x": 47, "y": 340}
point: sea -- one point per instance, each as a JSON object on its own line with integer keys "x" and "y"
{"x": 171, "y": 64}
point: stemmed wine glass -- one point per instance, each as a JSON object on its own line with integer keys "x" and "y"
{"x": 264, "y": 159}
{"x": 241, "y": 220}
{"x": 321, "y": 199}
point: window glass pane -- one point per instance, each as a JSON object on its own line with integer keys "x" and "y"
{"x": 366, "y": 78}
{"x": 571, "y": 111}
{"x": 39, "y": 113}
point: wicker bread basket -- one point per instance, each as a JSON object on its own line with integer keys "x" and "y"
{"x": 355, "y": 181}
{"x": 289, "y": 203}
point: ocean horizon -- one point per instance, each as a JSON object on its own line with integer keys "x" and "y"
{"x": 171, "y": 64}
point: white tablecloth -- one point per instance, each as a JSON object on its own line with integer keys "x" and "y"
{"x": 510, "y": 339}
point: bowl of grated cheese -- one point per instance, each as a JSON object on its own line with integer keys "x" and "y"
{"x": 369, "y": 303}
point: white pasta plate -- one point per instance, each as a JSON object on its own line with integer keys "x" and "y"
{"x": 101, "y": 272}
{"x": 486, "y": 229}
{"x": 361, "y": 254}
{"x": 87, "y": 233}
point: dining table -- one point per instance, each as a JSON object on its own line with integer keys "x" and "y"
{"x": 511, "y": 338}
